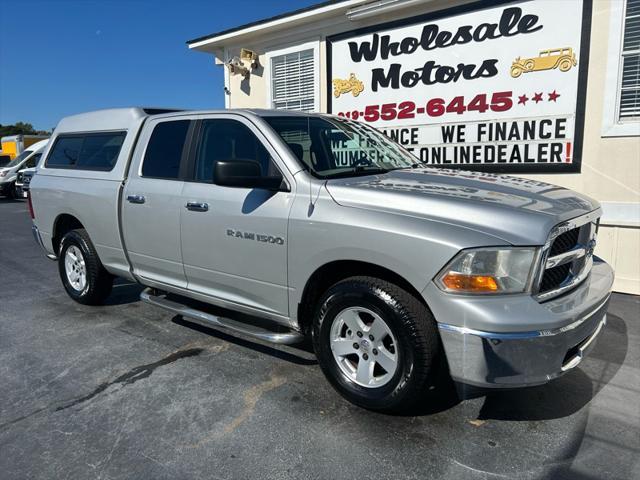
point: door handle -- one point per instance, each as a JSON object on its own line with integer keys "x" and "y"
{"x": 197, "y": 206}
{"x": 135, "y": 198}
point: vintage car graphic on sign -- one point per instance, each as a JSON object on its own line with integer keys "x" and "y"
{"x": 560, "y": 58}
{"x": 352, "y": 85}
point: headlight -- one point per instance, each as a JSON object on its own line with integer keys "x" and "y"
{"x": 3, "y": 173}
{"x": 491, "y": 270}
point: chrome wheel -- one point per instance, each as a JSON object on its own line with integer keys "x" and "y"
{"x": 364, "y": 347}
{"x": 75, "y": 268}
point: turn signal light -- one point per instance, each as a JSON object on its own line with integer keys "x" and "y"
{"x": 470, "y": 283}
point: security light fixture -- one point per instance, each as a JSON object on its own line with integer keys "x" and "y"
{"x": 236, "y": 67}
{"x": 250, "y": 56}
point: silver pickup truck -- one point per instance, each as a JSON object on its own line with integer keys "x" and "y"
{"x": 319, "y": 226}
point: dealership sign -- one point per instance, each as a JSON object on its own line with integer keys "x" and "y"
{"x": 491, "y": 86}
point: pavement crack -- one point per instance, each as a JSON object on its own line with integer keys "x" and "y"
{"x": 23, "y": 417}
{"x": 134, "y": 375}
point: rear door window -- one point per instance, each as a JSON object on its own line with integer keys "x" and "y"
{"x": 91, "y": 151}
{"x": 164, "y": 151}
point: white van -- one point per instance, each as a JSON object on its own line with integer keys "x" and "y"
{"x": 27, "y": 159}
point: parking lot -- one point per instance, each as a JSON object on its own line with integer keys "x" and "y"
{"x": 127, "y": 391}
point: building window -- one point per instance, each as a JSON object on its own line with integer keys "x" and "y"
{"x": 629, "y": 106}
{"x": 622, "y": 101}
{"x": 294, "y": 79}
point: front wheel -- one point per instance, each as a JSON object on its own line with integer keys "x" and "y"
{"x": 376, "y": 343}
{"x": 82, "y": 274}
{"x": 11, "y": 191}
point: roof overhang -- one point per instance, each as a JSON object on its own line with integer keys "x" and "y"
{"x": 215, "y": 41}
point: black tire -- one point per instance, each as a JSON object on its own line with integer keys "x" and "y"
{"x": 410, "y": 322}
{"x": 11, "y": 191}
{"x": 98, "y": 282}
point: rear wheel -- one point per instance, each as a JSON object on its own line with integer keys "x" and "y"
{"x": 82, "y": 274}
{"x": 376, "y": 343}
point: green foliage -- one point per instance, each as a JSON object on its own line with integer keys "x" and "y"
{"x": 20, "y": 128}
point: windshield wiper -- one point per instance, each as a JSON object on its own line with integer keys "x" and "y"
{"x": 369, "y": 169}
{"x": 357, "y": 171}
{"x": 413, "y": 166}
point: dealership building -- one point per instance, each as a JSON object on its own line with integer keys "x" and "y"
{"x": 546, "y": 90}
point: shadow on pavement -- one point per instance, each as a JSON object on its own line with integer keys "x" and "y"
{"x": 124, "y": 292}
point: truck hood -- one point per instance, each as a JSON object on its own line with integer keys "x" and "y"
{"x": 520, "y": 211}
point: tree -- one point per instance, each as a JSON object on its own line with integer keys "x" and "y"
{"x": 20, "y": 128}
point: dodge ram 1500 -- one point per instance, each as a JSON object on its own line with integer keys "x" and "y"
{"x": 321, "y": 226}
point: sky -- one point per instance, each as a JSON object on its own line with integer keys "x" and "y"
{"x": 60, "y": 57}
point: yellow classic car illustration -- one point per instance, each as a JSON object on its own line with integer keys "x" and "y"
{"x": 352, "y": 85}
{"x": 560, "y": 58}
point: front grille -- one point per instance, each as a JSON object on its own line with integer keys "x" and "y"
{"x": 568, "y": 258}
{"x": 553, "y": 277}
{"x": 564, "y": 242}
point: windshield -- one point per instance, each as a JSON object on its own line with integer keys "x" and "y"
{"x": 16, "y": 161}
{"x": 333, "y": 147}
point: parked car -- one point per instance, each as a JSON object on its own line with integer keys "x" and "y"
{"x": 9, "y": 173}
{"x": 23, "y": 178}
{"x": 387, "y": 265}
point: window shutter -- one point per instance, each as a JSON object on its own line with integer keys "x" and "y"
{"x": 292, "y": 81}
{"x": 629, "y": 106}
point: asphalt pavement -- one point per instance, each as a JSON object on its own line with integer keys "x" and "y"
{"x": 127, "y": 390}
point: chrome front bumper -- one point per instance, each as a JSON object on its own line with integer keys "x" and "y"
{"x": 569, "y": 326}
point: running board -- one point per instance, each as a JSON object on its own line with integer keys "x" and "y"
{"x": 208, "y": 320}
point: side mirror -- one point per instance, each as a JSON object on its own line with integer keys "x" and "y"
{"x": 244, "y": 174}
